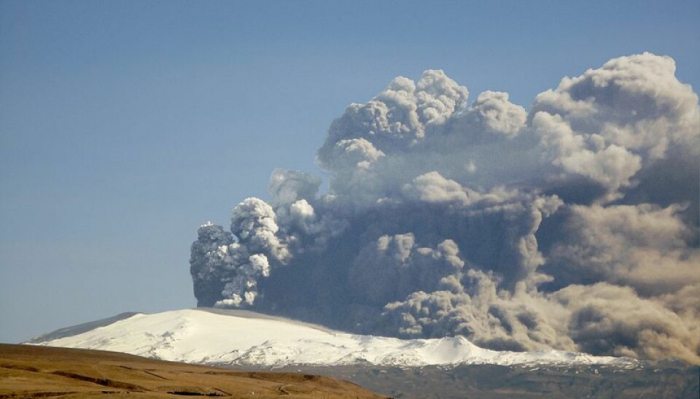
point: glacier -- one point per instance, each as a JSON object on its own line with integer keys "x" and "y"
{"x": 244, "y": 338}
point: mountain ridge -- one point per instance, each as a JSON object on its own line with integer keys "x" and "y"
{"x": 239, "y": 337}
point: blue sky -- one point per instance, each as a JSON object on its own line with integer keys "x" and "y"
{"x": 125, "y": 125}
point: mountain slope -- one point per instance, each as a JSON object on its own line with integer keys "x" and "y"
{"x": 81, "y": 328}
{"x": 247, "y": 338}
{"x": 37, "y": 372}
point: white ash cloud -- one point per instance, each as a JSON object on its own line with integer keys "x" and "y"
{"x": 572, "y": 226}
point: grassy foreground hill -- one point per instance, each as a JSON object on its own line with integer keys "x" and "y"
{"x": 45, "y": 372}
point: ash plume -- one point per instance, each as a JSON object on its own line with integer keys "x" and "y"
{"x": 573, "y": 225}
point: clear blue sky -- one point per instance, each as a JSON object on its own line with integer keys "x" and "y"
{"x": 124, "y": 125}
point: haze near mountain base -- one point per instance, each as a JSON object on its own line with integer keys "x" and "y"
{"x": 573, "y": 226}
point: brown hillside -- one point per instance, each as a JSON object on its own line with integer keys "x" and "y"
{"x": 44, "y": 372}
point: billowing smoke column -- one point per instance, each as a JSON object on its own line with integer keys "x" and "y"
{"x": 574, "y": 226}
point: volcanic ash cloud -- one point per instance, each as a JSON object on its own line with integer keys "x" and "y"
{"x": 572, "y": 226}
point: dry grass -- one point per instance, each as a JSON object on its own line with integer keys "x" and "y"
{"x": 43, "y": 372}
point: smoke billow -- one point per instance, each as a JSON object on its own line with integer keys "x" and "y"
{"x": 572, "y": 226}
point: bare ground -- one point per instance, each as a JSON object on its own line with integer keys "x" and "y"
{"x": 45, "y": 372}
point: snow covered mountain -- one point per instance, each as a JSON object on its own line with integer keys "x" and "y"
{"x": 212, "y": 336}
